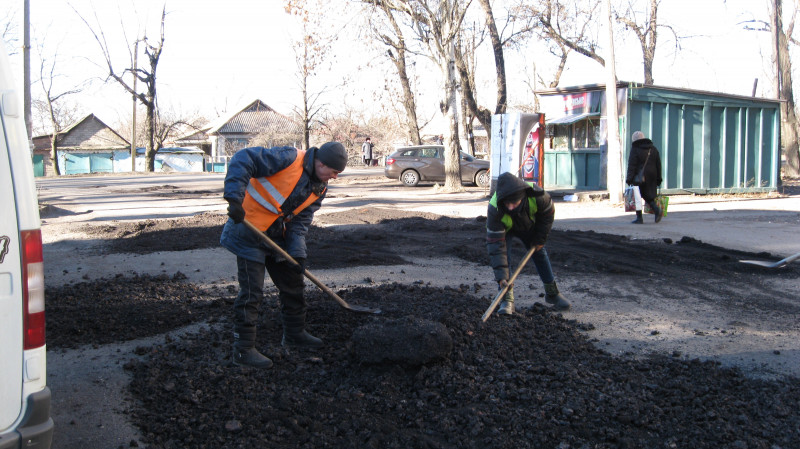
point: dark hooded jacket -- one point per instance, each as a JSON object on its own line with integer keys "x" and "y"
{"x": 652, "y": 171}
{"x": 530, "y": 222}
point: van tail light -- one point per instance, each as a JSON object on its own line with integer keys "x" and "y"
{"x": 33, "y": 288}
{"x": 389, "y": 161}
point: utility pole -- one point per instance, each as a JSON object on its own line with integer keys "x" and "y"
{"x": 776, "y": 38}
{"x": 133, "y": 119}
{"x": 614, "y": 167}
{"x": 26, "y": 68}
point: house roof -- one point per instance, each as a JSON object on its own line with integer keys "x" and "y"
{"x": 99, "y": 135}
{"x": 254, "y": 118}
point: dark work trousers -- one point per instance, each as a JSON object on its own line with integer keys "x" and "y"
{"x": 251, "y": 292}
{"x": 540, "y": 259}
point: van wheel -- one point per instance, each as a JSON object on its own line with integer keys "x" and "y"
{"x": 410, "y": 178}
{"x": 482, "y": 179}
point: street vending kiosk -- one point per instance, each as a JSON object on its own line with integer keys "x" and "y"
{"x": 518, "y": 146}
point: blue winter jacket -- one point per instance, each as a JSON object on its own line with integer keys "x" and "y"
{"x": 291, "y": 236}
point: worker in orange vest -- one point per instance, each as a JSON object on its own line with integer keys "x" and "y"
{"x": 278, "y": 190}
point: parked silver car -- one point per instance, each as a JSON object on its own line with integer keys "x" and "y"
{"x": 415, "y": 164}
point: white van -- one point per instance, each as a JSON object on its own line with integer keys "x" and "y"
{"x": 25, "y": 420}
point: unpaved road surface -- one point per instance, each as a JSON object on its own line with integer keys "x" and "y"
{"x": 671, "y": 342}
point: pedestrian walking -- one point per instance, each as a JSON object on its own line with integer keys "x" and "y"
{"x": 366, "y": 151}
{"x": 644, "y": 171}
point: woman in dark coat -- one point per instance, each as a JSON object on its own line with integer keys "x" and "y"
{"x": 645, "y": 154}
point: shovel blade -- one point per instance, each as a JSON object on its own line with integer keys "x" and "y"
{"x": 761, "y": 263}
{"x": 362, "y": 309}
{"x": 777, "y": 264}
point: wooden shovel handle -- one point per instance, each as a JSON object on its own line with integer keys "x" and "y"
{"x": 307, "y": 273}
{"x": 497, "y": 298}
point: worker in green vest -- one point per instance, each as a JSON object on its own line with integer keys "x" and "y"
{"x": 525, "y": 211}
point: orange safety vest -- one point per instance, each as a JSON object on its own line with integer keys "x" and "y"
{"x": 265, "y": 196}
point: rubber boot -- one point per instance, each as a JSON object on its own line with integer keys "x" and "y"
{"x": 639, "y": 219}
{"x": 244, "y": 352}
{"x": 554, "y": 297}
{"x": 294, "y": 332}
{"x": 656, "y": 211}
{"x": 507, "y": 304}
{"x": 250, "y": 357}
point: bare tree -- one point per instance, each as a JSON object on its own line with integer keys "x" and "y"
{"x": 564, "y": 26}
{"x": 171, "y": 125}
{"x": 437, "y": 24}
{"x": 789, "y": 124}
{"x": 349, "y": 127}
{"x": 397, "y": 53}
{"x": 147, "y": 76}
{"x": 311, "y": 53}
{"x": 782, "y": 35}
{"x": 8, "y": 25}
{"x": 467, "y": 77}
{"x": 645, "y": 26}
{"x": 66, "y": 112}
{"x": 646, "y": 34}
{"x": 571, "y": 23}
{"x": 51, "y": 101}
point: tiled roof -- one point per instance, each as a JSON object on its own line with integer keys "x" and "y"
{"x": 257, "y": 117}
{"x": 256, "y": 122}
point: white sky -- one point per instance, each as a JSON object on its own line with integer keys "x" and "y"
{"x": 220, "y": 55}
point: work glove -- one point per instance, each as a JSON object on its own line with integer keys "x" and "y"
{"x": 300, "y": 267}
{"x": 235, "y": 210}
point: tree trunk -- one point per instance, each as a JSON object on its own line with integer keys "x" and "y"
{"x": 150, "y": 154}
{"x": 54, "y": 153}
{"x": 468, "y": 92}
{"x": 482, "y": 114}
{"x": 466, "y": 124}
{"x": 54, "y": 137}
{"x": 499, "y": 61}
{"x": 399, "y": 60}
{"x": 789, "y": 135}
{"x": 649, "y": 46}
{"x": 409, "y": 104}
{"x": 452, "y": 167}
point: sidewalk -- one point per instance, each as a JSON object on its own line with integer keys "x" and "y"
{"x": 755, "y": 224}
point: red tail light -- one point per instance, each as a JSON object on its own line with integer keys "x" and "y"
{"x": 389, "y": 161}
{"x": 33, "y": 288}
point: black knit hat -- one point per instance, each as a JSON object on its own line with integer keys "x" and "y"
{"x": 333, "y": 155}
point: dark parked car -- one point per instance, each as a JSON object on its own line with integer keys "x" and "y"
{"x": 411, "y": 165}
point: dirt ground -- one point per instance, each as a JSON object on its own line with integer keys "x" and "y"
{"x": 671, "y": 344}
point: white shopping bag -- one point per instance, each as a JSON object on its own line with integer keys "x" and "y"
{"x": 633, "y": 199}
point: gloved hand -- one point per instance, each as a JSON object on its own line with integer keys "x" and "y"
{"x": 235, "y": 210}
{"x": 502, "y": 283}
{"x": 301, "y": 265}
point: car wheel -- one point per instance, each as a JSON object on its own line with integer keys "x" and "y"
{"x": 410, "y": 178}
{"x": 482, "y": 178}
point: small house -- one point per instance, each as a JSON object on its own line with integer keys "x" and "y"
{"x": 255, "y": 124}
{"x": 88, "y": 146}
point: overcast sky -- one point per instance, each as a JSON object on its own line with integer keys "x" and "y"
{"x": 219, "y": 56}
